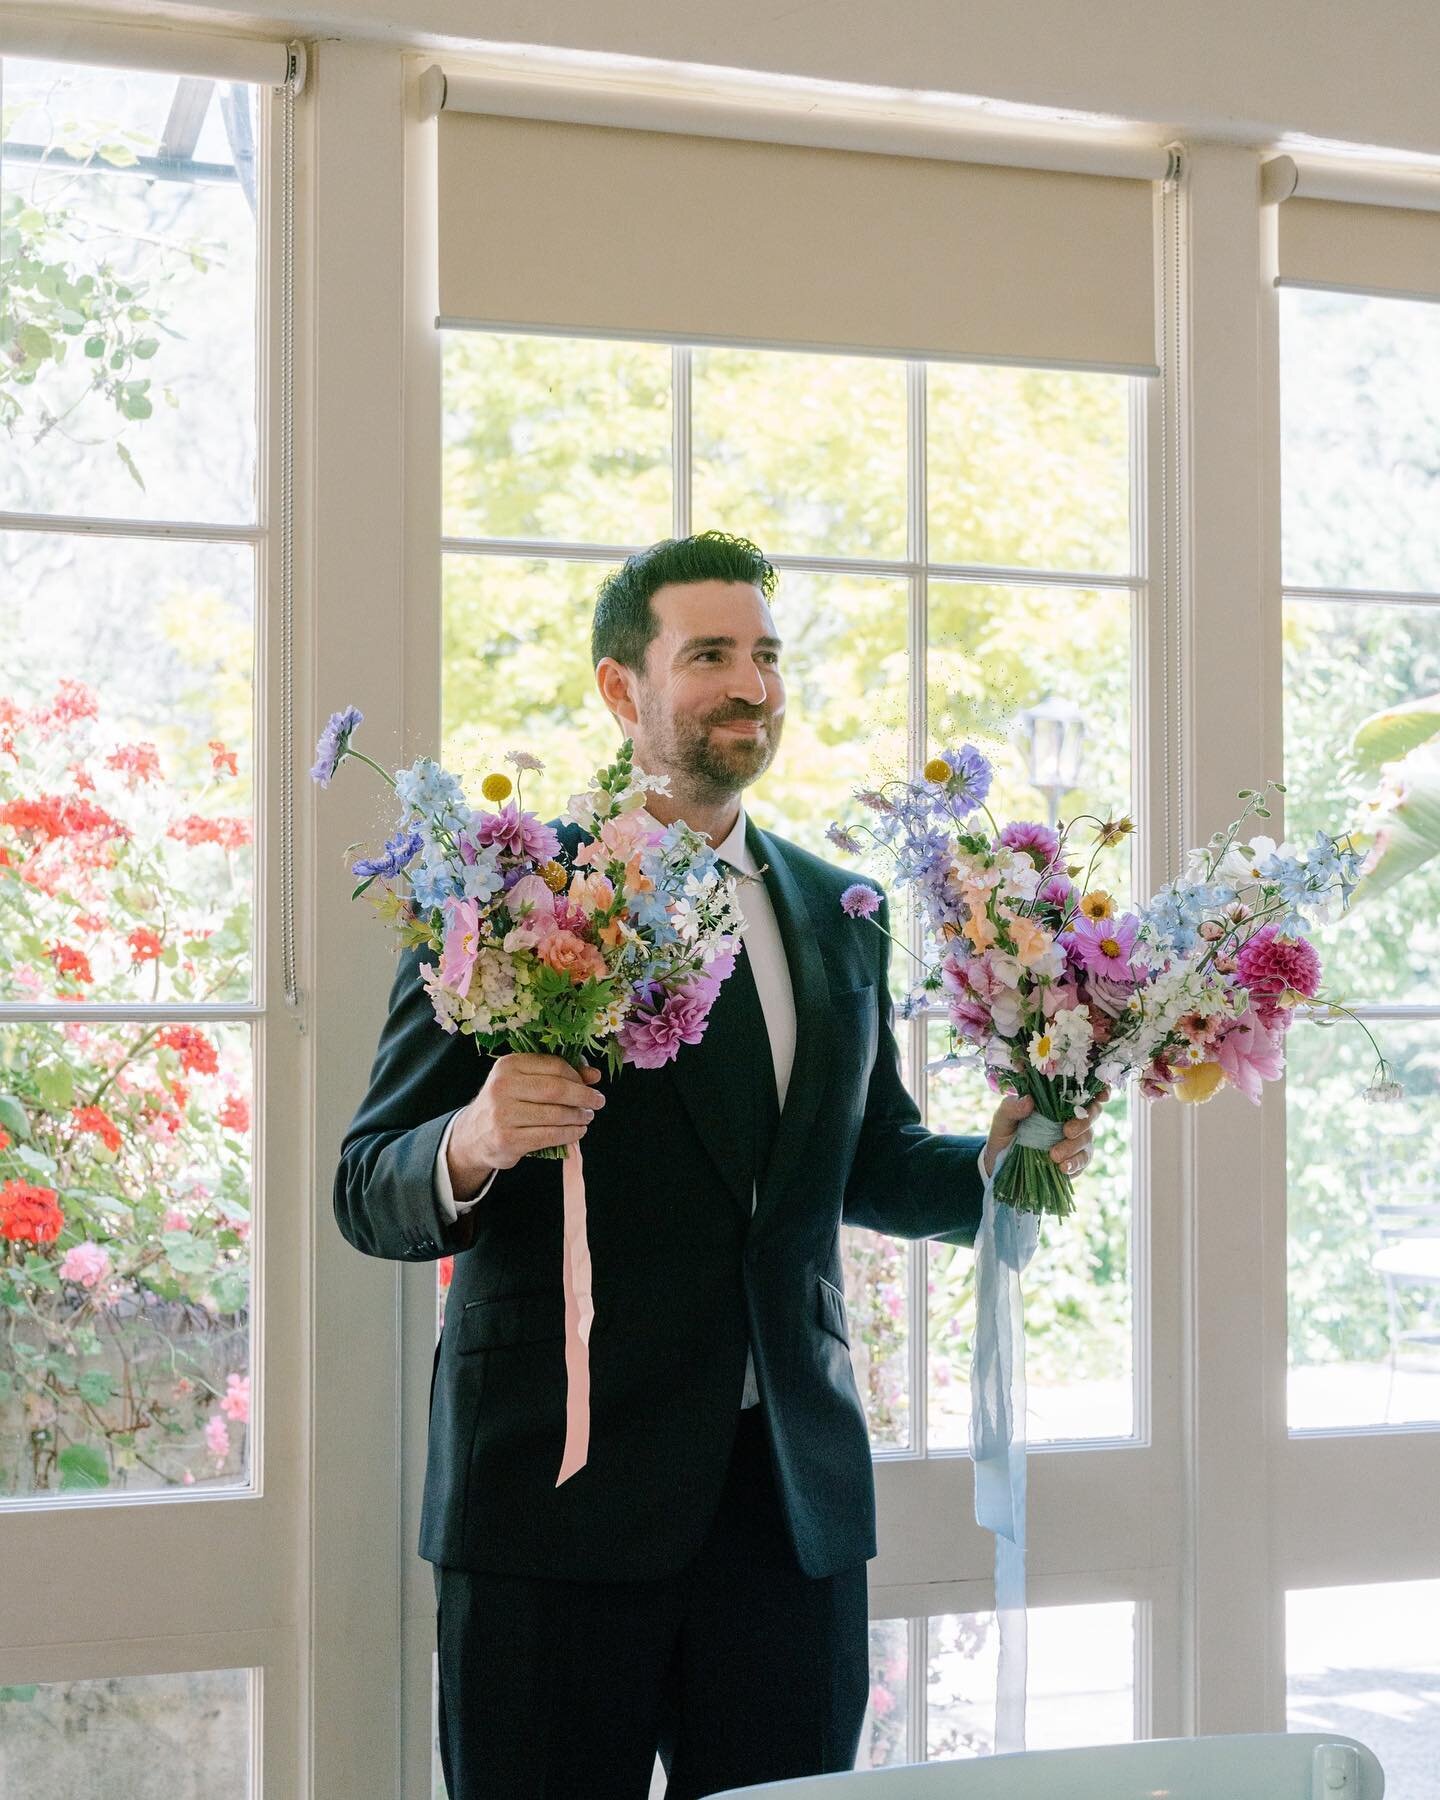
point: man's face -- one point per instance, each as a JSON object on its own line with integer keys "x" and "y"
{"x": 711, "y": 702}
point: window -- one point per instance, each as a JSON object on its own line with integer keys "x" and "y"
{"x": 914, "y": 609}
{"x": 127, "y": 780}
{"x": 1361, "y": 445}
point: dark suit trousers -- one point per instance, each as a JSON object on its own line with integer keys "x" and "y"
{"x": 738, "y": 1669}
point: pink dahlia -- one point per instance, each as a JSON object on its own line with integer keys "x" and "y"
{"x": 1269, "y": 965}
{"x": 519, "y": 833}
{"x": 655, "y": 1038}
{"x": 1038, "y": 841}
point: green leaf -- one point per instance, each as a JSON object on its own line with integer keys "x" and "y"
{"x": 83, "y": 1466}
{"x": 189, "y": 1256}
{"x": 231, "y": 1291}
{"x": 13, "y": 1117}
{"x": 119, "y": 156}
{"x": 1408, "y": 835}
{"x": 34, "y": 1159}
{"x": 19, "y": 1693}
{"x": 56, "y": 1084}
{"x": 129, "y": 462}
{"x": 1389, "y": 735}
{"x": 145, "y": 348}
{"x": 96, "y": 1387}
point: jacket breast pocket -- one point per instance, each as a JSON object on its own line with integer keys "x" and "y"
{"x": 857, "y": 1025}
{"x": 832, "y": 1314}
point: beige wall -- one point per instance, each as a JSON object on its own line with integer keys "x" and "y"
{"x": 1248, "y": 70}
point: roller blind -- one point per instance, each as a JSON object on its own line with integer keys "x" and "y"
{"x": 600, "y": 229}
{"x": 1376, "y": 249}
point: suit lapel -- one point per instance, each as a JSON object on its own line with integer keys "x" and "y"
{"x": 814, "y": 1016}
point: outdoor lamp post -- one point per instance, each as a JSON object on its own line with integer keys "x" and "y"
{"x": 1056, "y": 730}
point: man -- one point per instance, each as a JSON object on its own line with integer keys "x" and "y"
{"x": 699, "y": 1586}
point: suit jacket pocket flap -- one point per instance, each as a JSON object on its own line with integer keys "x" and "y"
{"x": 832, "y": 1309}
{"x": 511, "y": 1319}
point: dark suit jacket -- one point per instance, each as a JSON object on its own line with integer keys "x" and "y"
{"x": 683, "y": 1276}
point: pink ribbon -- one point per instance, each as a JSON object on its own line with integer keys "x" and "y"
{"x": 579, "y": 1311}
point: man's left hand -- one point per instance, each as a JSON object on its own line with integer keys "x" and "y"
{"x": 1073, "y": 1151}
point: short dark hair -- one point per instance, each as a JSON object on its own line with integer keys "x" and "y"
{"x": 625, "y": 624}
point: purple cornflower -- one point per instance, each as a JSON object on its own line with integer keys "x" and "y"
{"x": 401, "y": 849}
{"x": 860, "y": 900}
{"x": 334, "y": 742}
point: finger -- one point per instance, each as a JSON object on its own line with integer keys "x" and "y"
{"x": 553, "y": 1115}
{"x": 541, "y": 1088}
{"x": 540, "y": 1137}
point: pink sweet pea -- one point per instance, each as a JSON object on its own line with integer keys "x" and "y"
{"x": 1251, "y": 1054}
{"x": 462, "y": 943}
{"x": 532, "y": 905}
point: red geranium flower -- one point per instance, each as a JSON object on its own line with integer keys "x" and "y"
{"x": 235, "y": 1113}
{"x": 71, "y": 962}
{"x": 221, "y": 759}
{"x": 28, "y": 1214}
{"x": 96, "y": 1119}
{"x": 447, "y": 1269}
{"x": 137, "y": 762}
{"x": 197, "y": 1054}
{"x": 145, "y": 945}
{"x": 229, "y": 834}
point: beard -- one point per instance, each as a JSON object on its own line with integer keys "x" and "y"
{"x": 707, "y": 765}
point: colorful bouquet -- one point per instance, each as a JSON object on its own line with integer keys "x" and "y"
{"x": 619, "y": 952}
{"x": 1056, "y": 992}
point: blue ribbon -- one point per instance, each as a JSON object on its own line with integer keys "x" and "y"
{"x": 1003, "y": 1246}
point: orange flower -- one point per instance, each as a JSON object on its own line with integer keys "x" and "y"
{"x": 221, "y": 759}
{"x": 145, "y": 945}
{"x": 447, "y": 1270}
{"x": 229, "y": 834}
{"x": 4, "y": 1138}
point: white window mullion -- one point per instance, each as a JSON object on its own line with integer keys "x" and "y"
{"x": 682, "y": 388}
{"x": 917, "y": 728}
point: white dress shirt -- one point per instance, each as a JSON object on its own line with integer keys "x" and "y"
{"x": 760, "y": 935}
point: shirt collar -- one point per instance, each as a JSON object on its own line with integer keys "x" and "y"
{"x": 735, "y": 850}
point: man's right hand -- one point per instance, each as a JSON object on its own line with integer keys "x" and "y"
{"x": 528, "y": 1102}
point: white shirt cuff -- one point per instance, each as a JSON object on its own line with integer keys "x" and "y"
{"x": 450, "y": 1207}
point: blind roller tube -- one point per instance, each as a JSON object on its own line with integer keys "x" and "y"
{"x": 610, "y": 230}
{"x": 265, "y": 63}
{"x": 1363, "y": 230}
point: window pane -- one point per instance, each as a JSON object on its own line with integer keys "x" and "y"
{"x": 1080, "y": 1687}
{"x": 884, "y": 1738}
{"x": 800, "y": 453}
{"x": 875, "y": 1287}
{"x": 566, "y": 439}
{"x": 146, "y": 1737}
{"x": 1360, "y": 409}
{"x": 517, "y": 674}
{"x": 997, "y": 652}
{"x": 129, "y": 375}
{"x": 1344, "y": 662}
{"x": 126, "y": 762}
{"x": 1365, "y": 1662}
{"x": 1028, "y": 468}
{"x": 125, "y": 1202}
{"x": 846, "y": 684}
{"x": 1079, "y": 1346}
{"x": 1364, "y": 1209}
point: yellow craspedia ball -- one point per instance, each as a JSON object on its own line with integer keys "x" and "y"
{"x": 1197, "y": 1083}
{"x": 496, "y": 787}
{"x": 937, "y": 769}
{"x": 554, "y": 876}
